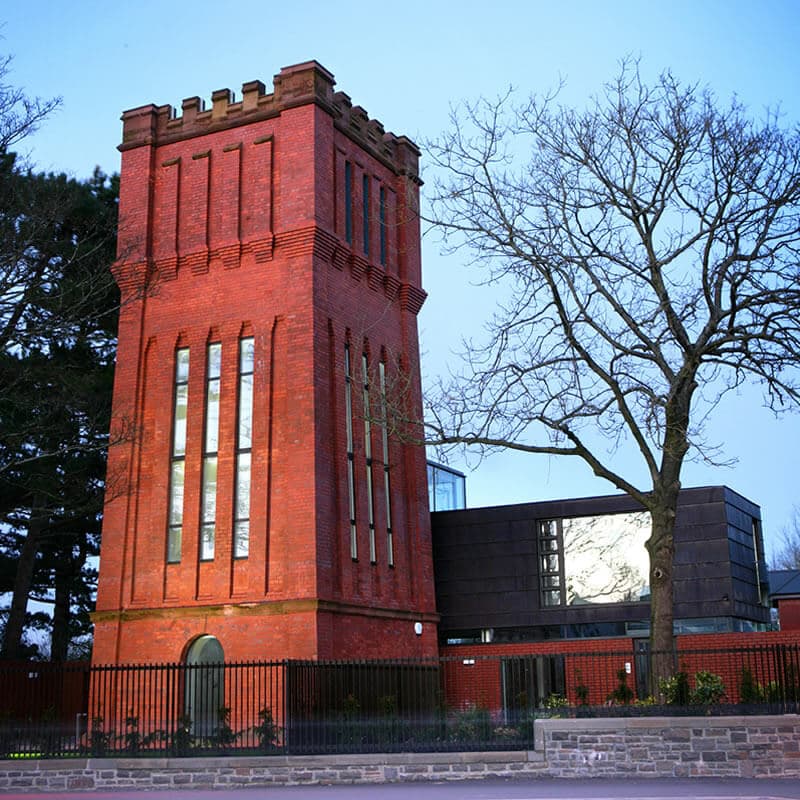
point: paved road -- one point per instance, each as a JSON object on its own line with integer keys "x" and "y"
{"x": 579, "y": 789}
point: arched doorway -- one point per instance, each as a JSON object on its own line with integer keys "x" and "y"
{"x": 205, "y": 686}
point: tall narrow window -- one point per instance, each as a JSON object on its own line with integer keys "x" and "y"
{"x": 244, "y": 443}
{"x": 757, "y": 552}
{"x": 368, "y": 454}
{"x": 348, "y": 202}
{"x": 351, "y": 486}
{"x": 385, "y": 448}
{"x": 178, "y": 456}
{"x": 382, "y": 223}
{"x": 365, "y": 214}
{"x": 550, "y": 583}
{"x": 210, "y": 446}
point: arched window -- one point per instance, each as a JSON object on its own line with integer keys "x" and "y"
{"x": 205, "y": 686}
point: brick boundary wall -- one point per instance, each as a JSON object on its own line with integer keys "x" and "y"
{"x": 759, "y": 747}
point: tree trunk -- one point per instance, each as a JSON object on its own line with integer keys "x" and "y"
{"x": 59, "y": 641}
{"x": 26, "y": 565}
{"x": 661, "y": 547}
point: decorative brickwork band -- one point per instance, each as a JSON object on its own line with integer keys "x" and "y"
{"x": 391, "y": 286}
{"x": 196, "y": 262}
{"x": 412, "y": 298}
{"x": 359, "y": 267}
{"x": 261, "y": 248}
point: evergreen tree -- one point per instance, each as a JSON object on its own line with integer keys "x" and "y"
{"x": 58, "y": 305}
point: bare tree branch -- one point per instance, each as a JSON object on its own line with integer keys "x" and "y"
{"x": 650, "y": 245}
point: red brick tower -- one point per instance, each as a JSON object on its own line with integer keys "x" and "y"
{"x": 269, "y": 260}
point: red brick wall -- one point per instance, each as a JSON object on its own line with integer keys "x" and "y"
{"x": 591, "y": 662}
{"x": 233, "y": 225}
{"x": 789, "y": 614}
{"x": 474, "y": 671}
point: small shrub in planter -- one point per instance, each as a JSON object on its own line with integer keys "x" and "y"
{"x": 676, "y": 689}
{"x": 623, "y": 694}
{"x": 708, "y": 690}
{"x": 266, "y": 730}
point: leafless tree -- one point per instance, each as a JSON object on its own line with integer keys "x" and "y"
{"x": 649, "y": 244}
{"x": 20, "y": 115}
{"x": 787, "y": 555}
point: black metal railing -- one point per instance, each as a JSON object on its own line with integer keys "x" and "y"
{"x": 467, "y": 701}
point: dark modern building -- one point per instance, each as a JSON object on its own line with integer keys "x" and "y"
{"x": 578, "y": 568}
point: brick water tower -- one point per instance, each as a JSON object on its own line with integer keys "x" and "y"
{"x": 258, "y": 507}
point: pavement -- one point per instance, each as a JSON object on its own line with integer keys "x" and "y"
{"x": 536, "y": 789}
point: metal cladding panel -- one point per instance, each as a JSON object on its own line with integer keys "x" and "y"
{"x": 487, "y": 576}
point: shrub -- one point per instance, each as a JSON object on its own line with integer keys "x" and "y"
{"x": 675, "y": 689}
{"x": 132, "y": 737}
{"x": 98, "y": 738}
{"x": 750, "y": 691}
{"x": 224, "y": 735}
{"x": 708, "y": 689}
{"x": 474, "y": 724}
{"x": 623, "y": 694}
{"x": 581, "y": 690}
{"x": 182, "y": 739}
{"x": 266, "y": 730}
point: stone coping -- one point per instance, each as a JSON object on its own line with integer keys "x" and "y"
{"x": 311, "y": 762}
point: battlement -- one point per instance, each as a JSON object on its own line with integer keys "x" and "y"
{"x": 296, "y": 85}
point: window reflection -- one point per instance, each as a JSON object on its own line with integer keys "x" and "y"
{"x": 446, "y": 488}
{"x": 605, "y": 560}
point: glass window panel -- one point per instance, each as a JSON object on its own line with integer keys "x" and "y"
{"x": 351, "y": 494}
{"x": 182, "y": 365}
{"x": 384, "y": 413}
{"x": 548, "y": 527}
{"x": 174, "y": 536}
{"x": 246, "y": 350}
{"x": 209, "y": 490}
{"x": 552, "y": 597}
{"x": 365, "y": 398}
{"x": 176, "y": 494}
{"x": 549, "y": 545}
{"x": 242, "y": 539}
{"x": 245, "y": 412}
{"x": 348, "y": 410}
{"x": 214, "y": 360}
{"x": 212, "y": 417}
{"x": 388, "y": 498}
{"x": 243, "y": 486}
{"x": 605, "y": 559}
{"x": 176, "y": 483}
{"x": 550, "y": 563}
{"x": 371, "y": 516}
{"x": 207, "y": 542}
{"x": 181, "y": 404}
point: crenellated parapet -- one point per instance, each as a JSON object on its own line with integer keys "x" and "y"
{"x": 293, "y": 86}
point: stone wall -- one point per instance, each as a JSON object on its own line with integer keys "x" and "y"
{"x": 760, "y": 747}
{"x": 235, "y": 772}
{"x": 736, "y": 747}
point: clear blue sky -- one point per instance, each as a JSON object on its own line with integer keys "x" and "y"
{"x": 406, "y": 63}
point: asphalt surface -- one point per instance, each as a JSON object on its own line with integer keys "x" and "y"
{"x": 538, "y": 789}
